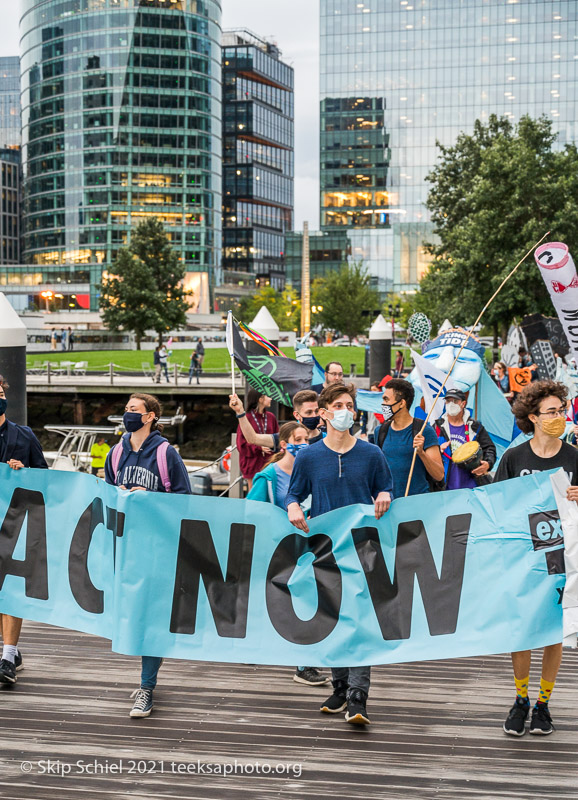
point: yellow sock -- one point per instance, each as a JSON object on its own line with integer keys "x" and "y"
{"x": 545, "y": 690}
{"x": 522, "y": 686}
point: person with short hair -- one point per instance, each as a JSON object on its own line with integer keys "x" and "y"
{"x": 339, "y": 471}
{"x": 455, "y": 428}
{"x": 20, "y": 449}
{"x": 157, "y": 364}
{"x": 400, "y": 434}
{"x": 333, "y": 373}
{"x": 164, "y": 362}
{"x": 200, "y": 353}
{"x": 137, "y": 463}
{"x": 540, "y": 409}
{"x": 306, "y": 411}
{"x": 98, "y": 452}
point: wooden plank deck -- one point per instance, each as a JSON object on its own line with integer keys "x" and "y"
{"x": 435, "y": 733}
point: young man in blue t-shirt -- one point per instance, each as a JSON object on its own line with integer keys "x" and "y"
{"x": 340, "y": 471}
{"x": 402, "y": 438}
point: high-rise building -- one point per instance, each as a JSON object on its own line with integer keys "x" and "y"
{"x": 121, "y": 112}
{"x": 9, "y": 102}
{"x": 258, "y": 164}
{"x": 9, "y": 206}
{"x": 397, "y": 75}
{"x": 328, "y": 251}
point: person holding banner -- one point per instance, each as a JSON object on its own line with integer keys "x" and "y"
{"x": 143, "y": 460}
{"x": 340, "y": 471}
{"x": 271, "y": 486}
{"x": 19, "y": 448}
{"x": 540, "y": 409}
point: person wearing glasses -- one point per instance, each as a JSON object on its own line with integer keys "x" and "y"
{"x": 333, "y": 374}
{"x": 540, "y": 410}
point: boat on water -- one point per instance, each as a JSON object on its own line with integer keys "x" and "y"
{"x": 73, "y": 455}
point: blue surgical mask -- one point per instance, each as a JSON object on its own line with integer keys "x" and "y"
{"x": 132, "y": 421}
{"x": 3, "y": 405}
{"x": 293, "y": 449}
{"x": 342, "y": 420}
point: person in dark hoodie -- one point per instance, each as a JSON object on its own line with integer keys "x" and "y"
{"x": 144, "y": 460}
{"x": 19, "y": 448}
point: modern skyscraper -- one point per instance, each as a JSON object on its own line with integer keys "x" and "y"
{"x": 397, "y": 75}
{"x": 9, "y": 206}
{"x": 258, "y": 164}
{"x": 10, "y": 102}
{"x": 121, "y": 105}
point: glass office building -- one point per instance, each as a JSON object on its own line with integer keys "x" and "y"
{"x": 121, "y": 121}
{"x": 397, "y": 75}
{"x": 258, "y": 164}
{"x": 10, "y": 102}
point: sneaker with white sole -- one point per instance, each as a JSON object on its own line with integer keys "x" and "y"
{"x": 356, "y": 707}
{"x": 338, "y": 700}
{"x": 7, "y": 671}
{"x": 310, "y": 676}
{"x": 541, "y": 722}
{"x": 515, "y": 724}
{"x": 143, "y": 704}
{"x": 18, "y": 665}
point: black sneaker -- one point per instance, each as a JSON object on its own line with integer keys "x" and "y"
{"x": 515, "y": 722}
{"x": 338, "y": 700}
{"x": 310, "y": 677}
{"x": 356, "y": 708}
{"x": 18, "y": 665}
{"x": 541, "y": 722}
{"x": 7, "y": 671}
{"x": 143, "y": 704}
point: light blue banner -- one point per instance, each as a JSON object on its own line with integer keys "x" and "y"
{"x": 440, "y": 576}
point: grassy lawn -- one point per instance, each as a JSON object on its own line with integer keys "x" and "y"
{"x": 216, "y": 360}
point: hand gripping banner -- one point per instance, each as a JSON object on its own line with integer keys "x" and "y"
{"x": 445, "y": 575}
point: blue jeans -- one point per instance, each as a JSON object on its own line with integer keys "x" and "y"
{"x": 149, "y": 671}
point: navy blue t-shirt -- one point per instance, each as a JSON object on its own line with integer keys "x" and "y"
{"x": 335, "y": 480}
{"x": 398, "y": 450}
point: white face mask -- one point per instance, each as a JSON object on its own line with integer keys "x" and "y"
{"x": 453, "y": 409}
{"x": 342, "y": 420}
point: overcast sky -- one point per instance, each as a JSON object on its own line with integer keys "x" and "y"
{"x": 295, "y": 27}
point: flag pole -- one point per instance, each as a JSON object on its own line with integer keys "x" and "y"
{"x": 229, "y": 338}
{"x": 466, "y": 340}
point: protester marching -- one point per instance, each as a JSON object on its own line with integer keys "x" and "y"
{"x": 420, "y": 483}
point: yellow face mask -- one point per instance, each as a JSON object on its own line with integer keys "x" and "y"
{"x": 554, "y": 427}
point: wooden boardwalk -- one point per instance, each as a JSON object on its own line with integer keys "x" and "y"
{"x": 436, "y": 731}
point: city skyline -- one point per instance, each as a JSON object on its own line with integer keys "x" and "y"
{"x": 295, "y": 28}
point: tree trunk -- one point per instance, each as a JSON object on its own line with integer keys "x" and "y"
{"x": 495, "y": 327}
{"x": 160, "y": 333}
{"x": 138, "y": 338}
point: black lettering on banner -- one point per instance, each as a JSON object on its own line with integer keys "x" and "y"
{"x": 546, "y": 531}
{"x": 84, "y": 591}
{"x": 34, "y": 569}
{"x": 228, "y": 598}
{"x": 393, "y": 600}
{"x": 329, "y": 589}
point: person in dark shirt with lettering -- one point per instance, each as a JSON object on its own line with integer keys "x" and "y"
{"x": 539, "y": 409}
{"x": 339, "y": 471}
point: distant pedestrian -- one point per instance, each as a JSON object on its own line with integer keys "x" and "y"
{"x": 98, "y": 453}
{"x": 200, "y": 352}
{"x": 70, "y": 339}
{"x": 194, "y": 368}
{"x": 163, "y": 359}
{"x": 157, "y": 364}
{"x": 53, "y": 339}
{"x": 63, "y": 339}
{"x": 398, "y": 364}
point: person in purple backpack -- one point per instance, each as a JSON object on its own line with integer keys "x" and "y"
{"x": 144, "y": 460}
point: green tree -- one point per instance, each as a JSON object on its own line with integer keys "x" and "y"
{"x": 285, "y": 307}
{"x": 348, "y": 302}
{"x": 145, "y": 291}
{"x": 493, "y": 194}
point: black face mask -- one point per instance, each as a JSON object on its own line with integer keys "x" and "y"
{"x": 388, "y": 412}
{"x": 132, "y": 421}
{"x": 311, "y": 422}
{"x": 3, "y": 405}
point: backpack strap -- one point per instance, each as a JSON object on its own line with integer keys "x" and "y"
{"x": 163, "y": 466}
{"x": 115, "y": 457}
{"x": 383, "y": 431}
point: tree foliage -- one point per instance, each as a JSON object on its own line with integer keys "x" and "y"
{"x": 285, "y": 307}
{"x": 348, "y": 302}
{"x": 145, "y": 291}
{"x": 494, "y": 194}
